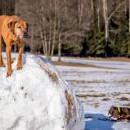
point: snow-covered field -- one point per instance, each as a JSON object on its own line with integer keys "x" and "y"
{"x": 98, "y": 88}
{"x": 105, "y": 64}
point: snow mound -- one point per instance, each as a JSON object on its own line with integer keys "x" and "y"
{"x": 36, "y": 98}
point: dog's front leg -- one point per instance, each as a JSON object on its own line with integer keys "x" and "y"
{"x": 8, "y": 53}
{"x": 21, "y": 46}
{"x": 1, "y": 59}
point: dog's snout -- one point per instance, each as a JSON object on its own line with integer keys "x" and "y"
{"x": 26, "y": 30}
{"x": 26, "y": 33}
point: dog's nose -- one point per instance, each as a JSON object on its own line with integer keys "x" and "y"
{"x": 25, "y": 34}
{"x": 26, "y": 30}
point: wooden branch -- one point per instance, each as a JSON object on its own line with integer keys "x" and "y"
{"x": 73, "y": 33}
{"x": 121, "y": 4}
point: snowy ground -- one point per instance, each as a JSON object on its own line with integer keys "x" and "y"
{"x": 99, "y": 88}
{"x": 105, "y": 64}
{"x": 36, "y": 98}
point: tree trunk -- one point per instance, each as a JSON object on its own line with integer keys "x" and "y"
{"x": 125, "y": 7}
{"x": 65, "y": 10}
{"x": 59, "y": 35}
{"x": 59, "y": 49}
{"x": 129, "y": 32}
{"x": 129, "y": 17}
{"x": 98, "y": 13}
{"x": 80, "y": 11}
{"x": 106, "y": 23}
{"x": 54, "y": 28}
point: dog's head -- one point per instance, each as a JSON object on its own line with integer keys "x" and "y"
{"x": 114, "y": 112}
{"x": 18, "y": 28}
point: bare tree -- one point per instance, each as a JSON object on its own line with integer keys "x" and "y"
{"x": 98, "y": 13}
{"x": 129, "y": 16}
{"x": 107, "y": 17}
{"x": 59, "y": 35}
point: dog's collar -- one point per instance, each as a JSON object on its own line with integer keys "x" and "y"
{"x": 119, "y": 109}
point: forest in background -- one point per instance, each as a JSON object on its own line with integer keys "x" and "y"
{"x": 97, "y": 28}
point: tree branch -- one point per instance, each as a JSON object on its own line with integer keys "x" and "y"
{"x": 121, "y": 4}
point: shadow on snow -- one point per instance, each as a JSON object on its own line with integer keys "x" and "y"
{"x": 94, "y": 122}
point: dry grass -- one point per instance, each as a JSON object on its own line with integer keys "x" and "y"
{"x": 122, "y": 59}
{"x": 115, "y": 94}
{"x": 85, "y": 81}
{"x": 51, "y": 74}
{"x": 71, "y": 64}
{"x": 71, "y": 112}
{"x": 88, "y": 95}
{"x": 126, "y": 105}
{"x": 61, "y": 63}
{"x": 105, "y": 99}
{"x": 123, "y": 99}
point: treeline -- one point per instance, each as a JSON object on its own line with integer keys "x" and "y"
{"x": 75, "y": 27}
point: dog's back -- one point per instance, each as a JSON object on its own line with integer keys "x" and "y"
{"x": 120, "y": 112}
{"x": 4, "y": 18}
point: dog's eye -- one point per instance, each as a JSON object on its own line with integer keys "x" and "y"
{"x": 18, "y": 27}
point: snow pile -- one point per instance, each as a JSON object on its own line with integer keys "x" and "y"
{"x": 36, "y": 98}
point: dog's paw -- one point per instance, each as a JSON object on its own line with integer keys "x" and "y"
{"x": 2, "y": 65}
{"x": 19, "y": 67}
{"x": 9, "y": 73}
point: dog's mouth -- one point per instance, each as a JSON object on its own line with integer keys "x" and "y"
{"x": 20, "y": 36}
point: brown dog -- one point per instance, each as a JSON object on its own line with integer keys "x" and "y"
{"x": 120, "y": 113}
{"x": 12, "y": 30}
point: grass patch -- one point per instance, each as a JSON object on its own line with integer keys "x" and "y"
{"x": 105, "y": 99}
{"x": 123, "y": 99}
{"x": 87, "y": 95}
{"x": 120, "y": 59}
{"x": 126, "y": 105}
{"x": 60, "y": 63}
{"x": 85, "y": 81}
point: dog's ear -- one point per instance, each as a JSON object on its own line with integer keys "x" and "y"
{"x": 27, "y": 27}
{"x": 11, "y": 26}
